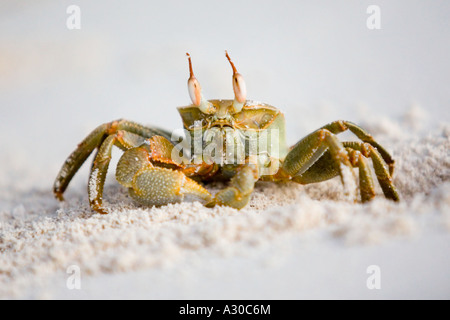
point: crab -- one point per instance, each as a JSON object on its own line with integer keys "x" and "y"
{"x": 239, "y": 141}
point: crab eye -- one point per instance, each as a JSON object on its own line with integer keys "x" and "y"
{"x": 239, "y": 88}
{"x": 194, "y": 88}
{"x": 240, "y": 91}
{"x": 195, "y": 92}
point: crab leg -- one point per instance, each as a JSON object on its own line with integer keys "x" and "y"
{"x": 92, "y": 141}
{"x": 77, "y": 158}
{"x": 382, "y": 170}
{"x": 310, "y": 149}
{"x": 341, "y": 126}
{"x": 366, "y": 185}
{"x": 325, "y": 168}
{"x": 124, "y": 140}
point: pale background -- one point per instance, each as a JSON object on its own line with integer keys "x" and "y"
{"x": 128, "y": 60}
{"x": 315, "y": 60}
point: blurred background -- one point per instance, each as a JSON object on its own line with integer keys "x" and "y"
{"x": 315, "y": 60}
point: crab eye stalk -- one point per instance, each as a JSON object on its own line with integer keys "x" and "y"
{"x": 239, "y": 88}
{"x": 195, "y": 92}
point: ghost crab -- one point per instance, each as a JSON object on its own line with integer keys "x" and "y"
{"x": 155, "y": 172}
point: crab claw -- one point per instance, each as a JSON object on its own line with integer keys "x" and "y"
{"x": 156, "y": 186}
{"x": 153, "y": 178}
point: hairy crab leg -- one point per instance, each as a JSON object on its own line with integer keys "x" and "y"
{"x": 93, "y": 141}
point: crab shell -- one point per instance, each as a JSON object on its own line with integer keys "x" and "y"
{"x": 254, "y": 118}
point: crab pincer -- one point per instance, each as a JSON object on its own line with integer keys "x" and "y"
{"x": 153, "y": 178}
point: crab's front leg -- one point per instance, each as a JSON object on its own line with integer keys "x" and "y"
{"x": 153, "y": 179}
{"x": 237, "y": 194}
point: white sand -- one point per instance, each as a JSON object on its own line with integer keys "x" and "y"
{"x": 40, "y": 238}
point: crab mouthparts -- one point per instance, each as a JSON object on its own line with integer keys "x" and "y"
{"x": 221, "y": 124}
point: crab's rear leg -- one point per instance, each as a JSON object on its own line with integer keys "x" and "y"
{"x": 306, "y": 162}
